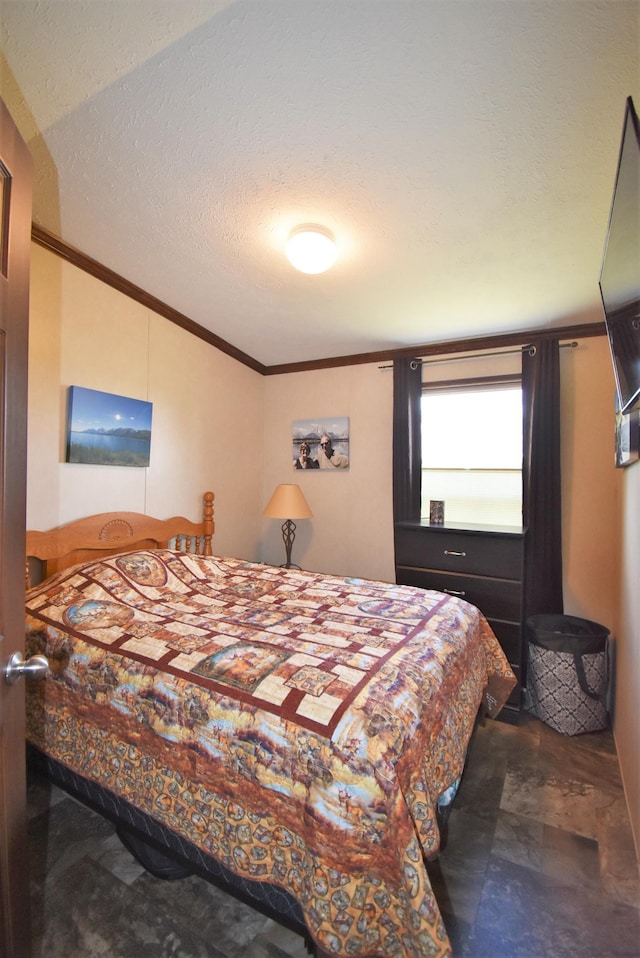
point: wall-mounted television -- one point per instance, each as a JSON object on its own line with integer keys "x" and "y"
{"x": 620, "y": 273}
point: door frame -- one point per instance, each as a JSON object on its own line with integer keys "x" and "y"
{"x": 15, "y": 252}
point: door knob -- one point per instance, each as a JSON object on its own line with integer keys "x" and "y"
{"x": 35, "y": 667}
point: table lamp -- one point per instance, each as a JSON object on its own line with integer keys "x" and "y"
{"x": 288, "y": 503}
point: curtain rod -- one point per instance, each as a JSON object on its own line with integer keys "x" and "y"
{"x": 531, "y": 349}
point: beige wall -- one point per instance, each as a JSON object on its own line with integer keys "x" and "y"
{"x": 627, "y": 722}
{"x": 207, "y": 410}
{"x": 601, "y": 540}
{"x": 591, "y": 485}
{"x": 351, "y": 532}
{"x": 601, "y": 533}
{"x": 218, "y": 425}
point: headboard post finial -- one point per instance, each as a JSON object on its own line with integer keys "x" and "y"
{"x": 208, "y": 522}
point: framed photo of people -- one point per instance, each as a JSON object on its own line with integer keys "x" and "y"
{"x": 627, "y": 436}
{"x": 321, "y": 444}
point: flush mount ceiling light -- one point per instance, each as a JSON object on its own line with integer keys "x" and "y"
{"x": 311, "y": 249}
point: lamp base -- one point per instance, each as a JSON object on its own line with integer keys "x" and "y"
{"x": 288, "y": 535}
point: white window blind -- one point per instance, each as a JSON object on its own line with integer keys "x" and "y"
{"x": 472, "y": 452}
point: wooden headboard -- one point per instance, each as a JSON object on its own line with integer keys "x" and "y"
{"x": 111, "y": 532}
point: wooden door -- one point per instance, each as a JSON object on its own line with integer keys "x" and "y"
{"x": 15, "y": 243}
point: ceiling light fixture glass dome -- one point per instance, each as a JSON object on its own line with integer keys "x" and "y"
{"x": 311, "y": 249}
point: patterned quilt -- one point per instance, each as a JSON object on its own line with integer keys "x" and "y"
{"x": 298, "y": 727}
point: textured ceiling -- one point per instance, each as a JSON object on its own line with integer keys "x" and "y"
{"x": 463, "y": 153}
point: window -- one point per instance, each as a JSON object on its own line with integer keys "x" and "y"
{"x": 472, "y": 451}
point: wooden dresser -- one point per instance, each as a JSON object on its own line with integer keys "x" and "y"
{"x": 482, "y": 564}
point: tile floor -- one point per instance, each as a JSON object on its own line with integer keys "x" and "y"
{"x": 540, "y": 864}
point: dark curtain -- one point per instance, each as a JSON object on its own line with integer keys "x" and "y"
{"x": 541, "y": 493}
{"x": 407, "y": 452}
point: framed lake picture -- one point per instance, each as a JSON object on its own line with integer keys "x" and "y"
{"x": 108, "y": 430}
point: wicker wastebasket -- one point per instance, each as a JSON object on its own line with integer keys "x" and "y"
{"x": 567, "y": 673}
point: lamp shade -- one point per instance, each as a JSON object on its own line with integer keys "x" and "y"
{"x": 311, "y": 249}
{"x": 287, "y": 502}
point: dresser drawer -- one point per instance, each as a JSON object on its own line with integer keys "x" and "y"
{"x": 482, "y": 565}
{"x": 443, "y": 549}
{"x": 496, "y": 598}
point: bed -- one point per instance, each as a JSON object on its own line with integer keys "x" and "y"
{"x": 294, "y": 737}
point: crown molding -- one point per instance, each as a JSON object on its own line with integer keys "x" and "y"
{"x": 72, "y": 255}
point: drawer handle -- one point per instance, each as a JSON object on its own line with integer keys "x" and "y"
{"x": 449, "y": 552}
{"x": 454, "y": 592}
